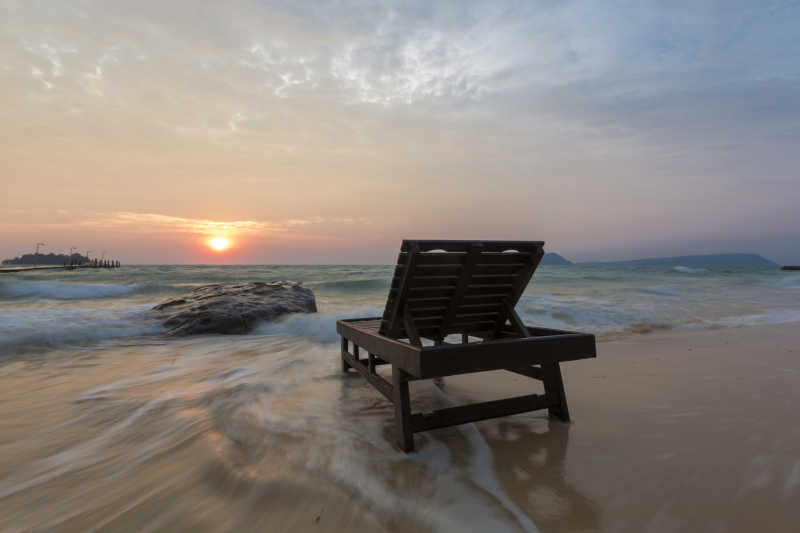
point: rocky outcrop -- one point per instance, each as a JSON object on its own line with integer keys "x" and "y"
{"x": 233, "y": 307}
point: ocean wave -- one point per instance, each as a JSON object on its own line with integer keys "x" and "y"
{"x": 789, "y": 282}
{"x": 590, "y": 315}
{"x": 65, "y": 291}
{"x": 661, "y": 290}
{"x": 29, "y": 328}
{"x": 687, "y": 270}
{"x": 352, "y": 285}
{"x": 770, "y": 316}
{"x": 320, "y": 327}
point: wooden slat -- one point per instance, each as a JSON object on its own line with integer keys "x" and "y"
{"x": 447, "y": 278}
{"x": 428, "y": 300}
{"x": 530, "y": 371}
{"x": 479, "y": 307}
{"x": 504, "y": 285}
{"x": 383, "y": 386}
{"x": 455, "y": 270}
{"x": 457, "y": 259}
{"x": 402, "y": 410}
{"x": 420, "y": 312}
{"x": 518, "y": 286}
{"x": 486, "y": 314}
{"x": 507, "y": 269}
{"x": 494, "y": 293}
{"x": 395, "y": 312}
{"x": 554, "y": 388}
{"x": 417, "y": 282}
{"x": 431, "y": 292}
{"x": 427, "y": 321}
{"x": 473, "y": 254}
{"x": 491, "y": 280}
{"x": 398, "y": 353}
{"x": 456, "y": 274}
{"x": 463, "y": 245}
{"x": 453, "y": 416}
{"x": 507, "y": 276}
{"x": 466, "y": 327}
{"x": 416, "y": 290}
{"x": 410, "y": 328}
{"x": 498, "y": 354}
{"x": 516, "y": 321}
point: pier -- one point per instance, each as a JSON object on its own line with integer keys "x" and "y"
{"x": 105, "y": 263}
{"x": 52, "y": 261}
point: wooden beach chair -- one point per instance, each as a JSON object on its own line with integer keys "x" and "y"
{"x": 450, "y": 311}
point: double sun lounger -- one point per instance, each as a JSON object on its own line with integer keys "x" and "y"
{"x": 450, "y": 311}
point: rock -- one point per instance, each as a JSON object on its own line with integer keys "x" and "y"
{"x": 233, "y": 307}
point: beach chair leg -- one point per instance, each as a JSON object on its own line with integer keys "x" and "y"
{"x": 402, "y": 410}
{"x": 345, "y": 364}
{"x": 554, "y": 389}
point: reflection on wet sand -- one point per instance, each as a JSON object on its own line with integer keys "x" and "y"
{"x": 530, "y": 460}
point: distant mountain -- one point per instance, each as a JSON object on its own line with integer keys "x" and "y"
{"x": 46, "y": 259}
{"x": 710, "y": 260}
{"x": 554, "y": 259}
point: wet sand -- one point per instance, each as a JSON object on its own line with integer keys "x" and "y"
{"x": 672, "y": 431}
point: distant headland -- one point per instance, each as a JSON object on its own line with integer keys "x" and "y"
{"x": 554, "y": 259}
{"x": 708, "y": 260}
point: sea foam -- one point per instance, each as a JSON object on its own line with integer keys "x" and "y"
{"x": 319, "y": 327}
{"x": 789, "y": 282}
{"x": 28, "y": 328}
{"x": 64, "y": 291}
{"x": 687, "y": 270}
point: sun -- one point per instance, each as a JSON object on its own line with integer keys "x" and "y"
{"x": 219, "y": 243}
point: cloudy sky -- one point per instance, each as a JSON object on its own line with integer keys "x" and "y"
{"x": 325, "y": 132}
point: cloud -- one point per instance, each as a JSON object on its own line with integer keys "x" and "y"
{"x": 126, "y": 221}
{"x": 422, "y": 116}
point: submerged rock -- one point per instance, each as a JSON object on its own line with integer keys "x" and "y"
{"x": 233, "y": 307}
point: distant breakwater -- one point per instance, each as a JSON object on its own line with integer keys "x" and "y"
{"x": 95, "y": 263}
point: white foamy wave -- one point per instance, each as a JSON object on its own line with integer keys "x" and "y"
{"x": 771, "y": 316}
{"x": 590, "y": 315}
{"x": 789, "y": 282}
{"x": 56, "y": 327}
{"x": 662, "y": 290}
{"x": 687, "y": 270}
{"x": 63, "y": 291}
{"x": 320, "y": 327}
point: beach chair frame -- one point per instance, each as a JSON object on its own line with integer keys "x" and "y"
{"x": 466, "y": 289}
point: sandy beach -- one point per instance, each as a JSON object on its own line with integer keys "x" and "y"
{"x": 672, "y": 431}
{"x": 211, "y": 213}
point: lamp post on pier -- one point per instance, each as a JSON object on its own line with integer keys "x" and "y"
{"x": 36, "y": 259}
{"x": 87, "y": 255}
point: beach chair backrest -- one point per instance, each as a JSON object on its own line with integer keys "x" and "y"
{"x": 466, "y": 287}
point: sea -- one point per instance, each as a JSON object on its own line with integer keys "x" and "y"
{"x": 85, "y": 308}
{"x": 103, "y": 418}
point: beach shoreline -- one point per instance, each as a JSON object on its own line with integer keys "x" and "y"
{"x": 677, "y": 431}
{"x": 672, "y": 430}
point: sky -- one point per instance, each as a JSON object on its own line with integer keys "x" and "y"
{"x": 326, "y": 132}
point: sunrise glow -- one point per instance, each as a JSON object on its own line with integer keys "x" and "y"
{"x": 219, "y": 243}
